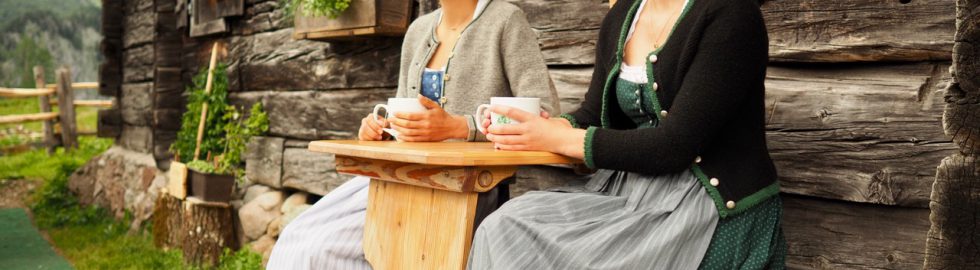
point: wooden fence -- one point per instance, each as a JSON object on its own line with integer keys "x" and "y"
{"x": 64, "y": 98}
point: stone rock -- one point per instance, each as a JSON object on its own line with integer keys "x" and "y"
{"x": 120, "y": 180}
{"x": 297, "y": 199}
{"x": 254, "y": 191}
{"x": 263, "y": 161}
{"x": 258, "y": 213}
{"x": 274, "y": 227}
{"x": 263, "y": 246}
{"x": 288, "y": 217}
{"x": 310, "y": 172}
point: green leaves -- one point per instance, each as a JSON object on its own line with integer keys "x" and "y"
{"x": 226, "y": 130}
{"x": 330, "y": 8}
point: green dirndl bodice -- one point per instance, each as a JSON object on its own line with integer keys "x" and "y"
{"x": 750, "y": 240}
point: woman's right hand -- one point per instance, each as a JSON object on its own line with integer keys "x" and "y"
{"x": 371, "y": 130}
{"x": 486, "y": 120}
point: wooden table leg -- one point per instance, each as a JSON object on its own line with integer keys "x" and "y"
{"x": 414, "y": 227}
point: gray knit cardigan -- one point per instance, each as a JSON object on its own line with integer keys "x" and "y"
{"x": 497, "y": 55}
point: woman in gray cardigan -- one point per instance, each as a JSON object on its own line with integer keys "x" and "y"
{"x": 453, "y": 60}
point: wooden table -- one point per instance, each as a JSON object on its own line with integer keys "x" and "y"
{"x": 422, "y": 198}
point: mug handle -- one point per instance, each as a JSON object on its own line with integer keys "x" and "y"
{"x": 375, "y": 113}
{"x": 479, "y": 116}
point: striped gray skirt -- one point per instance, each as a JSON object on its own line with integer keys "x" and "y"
{"x": 619, "y": 220}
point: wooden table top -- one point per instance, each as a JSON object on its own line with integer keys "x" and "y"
{"x": 440, "y": 153}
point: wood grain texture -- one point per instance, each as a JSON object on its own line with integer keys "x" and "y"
{"x": 410, "y": 227}
{"x": 858, "y": 133}
{"x": 44, "y": 102}
{"x": 449, "y": 178}
{"x": 208, "y": 229}
{"x": 859, "y": 30}
{"x": 66, "y": 110}
{"x": 24, "y": 118}
{"x": 442, "y": 153}
{"x": 177, "y": 180}
{"x": 567, "y": 29}
{"x": 952, "y": 238}
{"x": 825, "y": 234}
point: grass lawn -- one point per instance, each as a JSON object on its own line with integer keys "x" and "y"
{"x": 86, "y": 235}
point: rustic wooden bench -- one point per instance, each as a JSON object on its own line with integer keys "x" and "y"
{"x": 422, "y": 199}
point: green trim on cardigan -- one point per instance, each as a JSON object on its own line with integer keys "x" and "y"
{"x": 741, "y": 205}
{"x": 720, "y": 203}
{"x": 589, "y": 133}
{"x": 570, "y": 118}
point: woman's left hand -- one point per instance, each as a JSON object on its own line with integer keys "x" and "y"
{"x": 432, "y": 125}
{"x": 535, "y": 133}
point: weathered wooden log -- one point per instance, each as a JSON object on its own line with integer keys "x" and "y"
{"x": 827, "y": 234}
{"x": 138, "y": 64}
{"x": 135, "y": 104}
{"x": 859, "y": 30}
{"x": 273, "y": 61}
{"x": 45, "y": 104}
{"x": 857, "y": 133}
{"x": 315, "y": 115}
{"x": 955, "y": 201}
{"x": 139, "y": 23}
{"x": 66, "y": 110}
{"x": 207, "y": 229}
{"x": 567, "y": 29}
{"x": 168, "y": 214}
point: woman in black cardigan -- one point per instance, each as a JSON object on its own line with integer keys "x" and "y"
{"x": 674, "y": 121}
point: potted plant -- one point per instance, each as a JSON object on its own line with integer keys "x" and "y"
{"x": 226, "y": 131}
{"x": 343, "y": 19}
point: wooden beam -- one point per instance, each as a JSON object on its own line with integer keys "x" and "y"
{"x": 48, "y": 126}
{"x": 69, "y": 136}
{"x": 24, "y": 92}
{"x": 77, "y": 86}
{"x": 89, "y": 103}
{"x": 22, "y": 118}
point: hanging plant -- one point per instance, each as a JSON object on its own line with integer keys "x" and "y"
{"x": 317, "y": 8}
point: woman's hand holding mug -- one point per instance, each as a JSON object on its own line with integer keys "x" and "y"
{"x": 433, "y": 124}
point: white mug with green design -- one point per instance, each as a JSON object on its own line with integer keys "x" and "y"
{"x": 531, "y": 105}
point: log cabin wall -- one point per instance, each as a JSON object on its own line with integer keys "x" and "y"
{"x": 854, "y": 95}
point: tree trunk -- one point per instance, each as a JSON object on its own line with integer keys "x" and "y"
{"x": 955, "y": 201}
{"x": 167, "y": 216}
{"x": 207, "y": 229}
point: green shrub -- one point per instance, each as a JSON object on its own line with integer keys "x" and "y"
{"x": 213, "y": 139}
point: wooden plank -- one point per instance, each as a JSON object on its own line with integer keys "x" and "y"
{"x": 859, "y": 30}
{"x": 69, "y": 136}
{"x": 88, "y": 103}
{"x": 360, "y": 14}
{"x": 439, "y": 153}
{"x": 410, "y": 227}
{"x": 77, "y": 85}
{"x": 177, "y": 180}
{"x": 826, "y": 234}
{"x": 858, "y": 133}
{"x": 23, "y": 118}
{"x": 450, "y": 178}
{"x": 208, "y": 28}
{"x": 47, "y": 127}
{"x": 567, "y": 29}
{"x": 24, "y": 92}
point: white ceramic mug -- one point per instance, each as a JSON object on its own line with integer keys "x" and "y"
{"x": 531, "y": 105}
{"x": 397, "y": 105}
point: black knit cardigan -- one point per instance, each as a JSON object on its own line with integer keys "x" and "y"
{"x": 710, "y": 76}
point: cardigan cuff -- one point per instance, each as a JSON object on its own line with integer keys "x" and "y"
{"x": 589, "y": 133}
{"x": 471, "y": 125}
{"x": 570, "y": 118}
